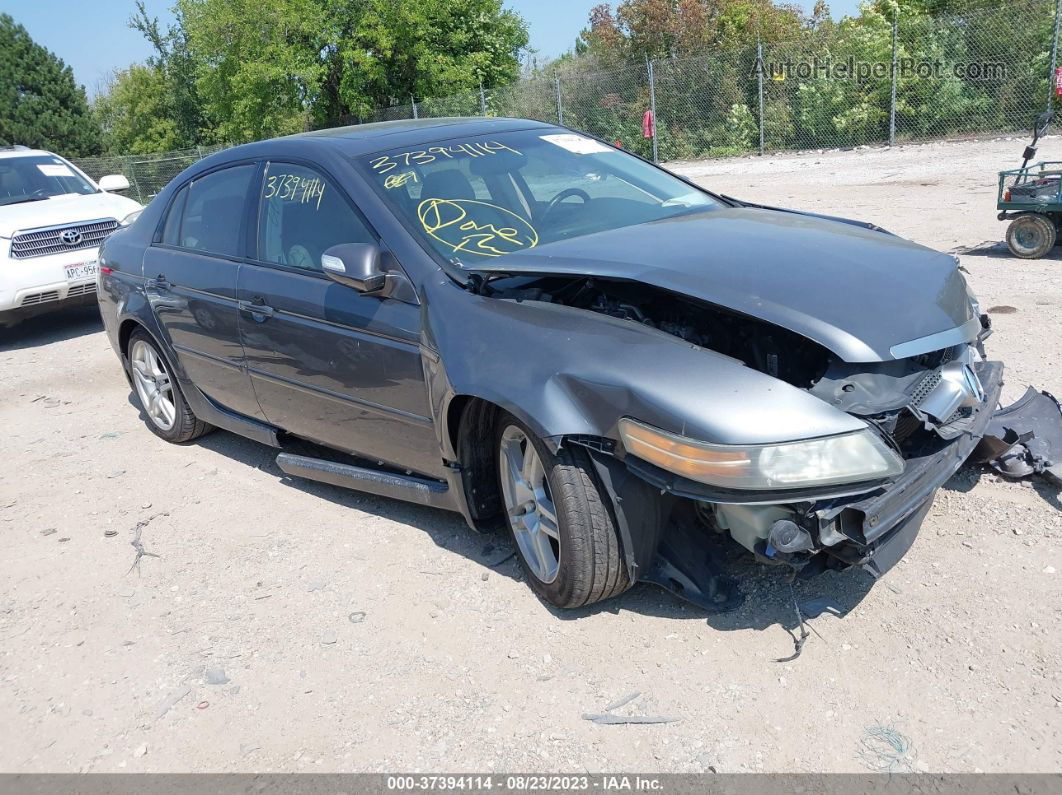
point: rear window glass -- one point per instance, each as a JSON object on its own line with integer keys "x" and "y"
{"x": 213, "y": 211}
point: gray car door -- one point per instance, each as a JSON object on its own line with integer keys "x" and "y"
{"x": 328, "y": 363}
{"x": 191, "y": 275}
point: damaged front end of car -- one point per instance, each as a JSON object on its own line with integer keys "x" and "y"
{"x": 854, "y": 499}
{"x": 806, "y": 404}
{"x": 851, "y": 499}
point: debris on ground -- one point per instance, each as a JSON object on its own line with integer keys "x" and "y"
{"x": 171, "y": 700}
{"x": 609, "y": 718}
{"x": 138, "y": 545}
{"x": 357, "y": 616}
{"x": 885, "y": 750}
{"x": 215, "y": 676}
{"x": 798, "y": 642}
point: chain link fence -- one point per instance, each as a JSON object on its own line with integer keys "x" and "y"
{"x": 862, "y": 81}
{"x": 865, "y": 80}
{"x": 147, "y": 174}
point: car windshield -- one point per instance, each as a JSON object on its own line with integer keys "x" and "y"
{"x": 38, "y": 177}
{"x": 491, "y": 195}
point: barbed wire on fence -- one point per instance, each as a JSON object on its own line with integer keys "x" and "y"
{"x": 869, "y": 81}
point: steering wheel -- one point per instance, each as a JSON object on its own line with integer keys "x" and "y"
{"x": 567, "y": 193}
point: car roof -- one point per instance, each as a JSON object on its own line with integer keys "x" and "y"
{"x": 360, "y": 139}
{"x": 21, "y": 151}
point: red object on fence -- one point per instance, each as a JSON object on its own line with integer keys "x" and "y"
{"x": 648, "y": 125}
{"x": 1058, "y": 82}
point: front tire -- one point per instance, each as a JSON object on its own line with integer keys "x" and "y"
{"x": 1031, "y": 236}
{"x": 166, "y": 413}
{"x": 560, "y": 519}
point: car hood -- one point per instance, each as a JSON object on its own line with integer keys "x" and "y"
{"x": 64, "y": 210}
{"x": 864, "y": 294}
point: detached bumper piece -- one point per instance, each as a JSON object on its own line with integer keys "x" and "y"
{"x": 1025, "y": 438}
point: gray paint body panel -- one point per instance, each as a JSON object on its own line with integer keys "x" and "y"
{"x": 568, "y": 371}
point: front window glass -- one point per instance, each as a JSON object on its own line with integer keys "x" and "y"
{"x": 301, "y": 216}
{"x": 39, "y": 177}
{"x": 487, "y": 196}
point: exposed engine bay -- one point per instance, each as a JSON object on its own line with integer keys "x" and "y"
{"x": 765, "y": 347}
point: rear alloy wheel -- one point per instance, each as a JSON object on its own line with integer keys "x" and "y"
{"x": 165, "y": 411}
{"x": 559, "y": 518}
{"x": 1031, "y": 236}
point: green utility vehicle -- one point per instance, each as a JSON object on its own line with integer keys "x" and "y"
{"x": 1031, "y": 196}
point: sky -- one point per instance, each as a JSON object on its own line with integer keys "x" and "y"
{"x": 94, "y": 39}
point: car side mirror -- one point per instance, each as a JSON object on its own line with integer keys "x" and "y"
{"x": 356, "y": 265}
{"x": 113, "y": 182}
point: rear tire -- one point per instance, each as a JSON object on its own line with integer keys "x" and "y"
{"x": 1031, "y": 236}
{"x": 559, "y": 517}
{"x": 166, "y": 412}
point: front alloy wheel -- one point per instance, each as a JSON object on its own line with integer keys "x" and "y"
{"x": 560, "y": 518}
{"x": 529, "y": 505}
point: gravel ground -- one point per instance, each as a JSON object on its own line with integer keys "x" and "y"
{"x": 274, "y": 625}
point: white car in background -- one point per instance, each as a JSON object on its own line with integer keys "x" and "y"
{"x": 52, "y": 221}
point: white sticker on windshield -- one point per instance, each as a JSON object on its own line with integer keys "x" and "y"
{"x": 576, "y": 143}
{"x": 50, "y": 170}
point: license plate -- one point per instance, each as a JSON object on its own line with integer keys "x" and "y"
{"x": 85, "y": 270}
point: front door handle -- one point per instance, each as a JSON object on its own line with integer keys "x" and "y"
{"x": 257, "y": 308}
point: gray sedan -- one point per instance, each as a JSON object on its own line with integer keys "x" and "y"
{"x": 528, "y": 326}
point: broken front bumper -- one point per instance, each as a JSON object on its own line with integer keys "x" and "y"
{"x": 879, "y": 528}
{"x": 872, "y": 528}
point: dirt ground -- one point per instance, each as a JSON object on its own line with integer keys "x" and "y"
{"x": 276, "y": 625}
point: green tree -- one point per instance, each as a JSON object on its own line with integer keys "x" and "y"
{"x": 386, "y": 52}
{"x": 136, "y": 113}
{"x": 40, "y": 104}
{"x": 173, "y": 59}
{"x": 271, "y": 67}
{"x": 258, "y": 63}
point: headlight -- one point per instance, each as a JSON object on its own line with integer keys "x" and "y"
{"x": 829, "y": 460}
{"x": 130, "y": 218}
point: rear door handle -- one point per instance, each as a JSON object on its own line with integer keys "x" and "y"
{"x": 161, "y": 282}
{"x": 257, "y": 308}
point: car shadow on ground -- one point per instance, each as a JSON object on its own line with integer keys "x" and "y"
{"x": 45, "y": 329}
{"x": 769, "y": 595}
{"x": 997, "y": 249}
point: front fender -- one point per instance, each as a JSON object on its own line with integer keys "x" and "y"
{"x": 566, "y": 371}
